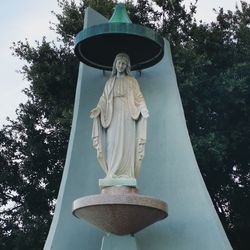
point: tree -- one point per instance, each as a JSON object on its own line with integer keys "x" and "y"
{"x": 212, "y": 66}
{"x": 213, "y": 73}
{"x": 33, "y": 147}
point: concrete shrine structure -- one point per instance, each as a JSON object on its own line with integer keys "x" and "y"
{"x": 169, "y": 170}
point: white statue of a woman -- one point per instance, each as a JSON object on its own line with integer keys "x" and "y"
{"x": 120, "y": 123}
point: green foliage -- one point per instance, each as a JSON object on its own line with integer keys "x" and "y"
{"x": 33, "y": 148}
{"x": 213, "y": 72}
{"x": 212, "y": 63}
{"x": 143, "y": 12}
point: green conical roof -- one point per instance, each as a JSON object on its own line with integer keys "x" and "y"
{"x": 98, "y": 45}
{"x": 120, "y": 15}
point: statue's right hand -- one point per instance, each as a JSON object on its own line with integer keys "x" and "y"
{"x": 95, "y": 112}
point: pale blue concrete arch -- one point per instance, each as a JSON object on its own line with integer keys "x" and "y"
{"x": 169, "y": 170}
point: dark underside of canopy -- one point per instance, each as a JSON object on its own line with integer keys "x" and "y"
{"x": 98, "y": 45}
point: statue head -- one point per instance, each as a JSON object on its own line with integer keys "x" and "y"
{"x": 124, "y": 57}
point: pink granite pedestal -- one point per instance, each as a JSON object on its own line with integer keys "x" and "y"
{"x": 120, "y": 210}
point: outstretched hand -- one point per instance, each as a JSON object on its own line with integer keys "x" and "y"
{"x": 95, "y": 112}
{"x": 144, "y": 113}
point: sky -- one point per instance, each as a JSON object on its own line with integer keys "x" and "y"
{"x": 20, "y": 19}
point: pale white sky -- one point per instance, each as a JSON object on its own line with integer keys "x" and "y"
{"x": 20, "y": 19}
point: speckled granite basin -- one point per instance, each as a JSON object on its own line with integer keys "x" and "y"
{"x": 120, "y": 210}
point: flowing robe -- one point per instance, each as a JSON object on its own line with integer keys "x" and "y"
{"x": 119, "y": 132}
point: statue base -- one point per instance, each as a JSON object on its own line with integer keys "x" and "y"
{"x": 120, "y": 210}
{"x": 109, "y": 182}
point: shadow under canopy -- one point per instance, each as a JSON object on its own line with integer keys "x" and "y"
{"x": 98, "y": 45}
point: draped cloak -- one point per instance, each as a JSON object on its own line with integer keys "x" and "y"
{"x": 119, "y": 132}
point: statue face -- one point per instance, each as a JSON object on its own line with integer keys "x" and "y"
{"x": 121, "y": 65}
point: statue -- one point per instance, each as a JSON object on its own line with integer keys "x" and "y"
{"x": 120, "y": 123}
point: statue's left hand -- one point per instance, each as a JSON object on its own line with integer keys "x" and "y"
{"x": 144, "y": 113}
{"x": 95, "y": 112}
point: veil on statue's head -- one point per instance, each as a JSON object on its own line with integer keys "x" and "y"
{"x": 123, "y": 56}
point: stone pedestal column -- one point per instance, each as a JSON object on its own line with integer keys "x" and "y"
{"x": 110, "y": 242}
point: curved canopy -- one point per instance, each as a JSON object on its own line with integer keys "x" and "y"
{"x": 98, "y": 45}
